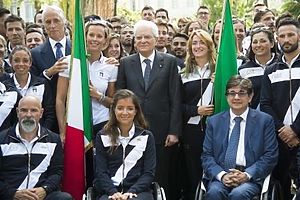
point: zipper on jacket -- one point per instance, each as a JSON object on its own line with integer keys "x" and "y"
{"x": 29, "y": 156}
{"x": 123, "y": 169}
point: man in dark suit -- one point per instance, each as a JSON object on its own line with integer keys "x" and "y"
{"x": 240, "y": 147}
{"x": 48, "y": 58}
{"x": 153, "y": 77}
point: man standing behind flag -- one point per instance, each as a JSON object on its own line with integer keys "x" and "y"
{"x": 280, "y": 97}
{"x": 226, "y": 64}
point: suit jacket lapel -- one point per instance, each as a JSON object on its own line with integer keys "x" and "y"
{"x": 47, "y": 52}
{"x": 250, "y": 124}
{"x": 225, "y": 135}
{"x": 68, "y": 48}
{"x": 137, "y": 69}
{"x": 157, "y": 65}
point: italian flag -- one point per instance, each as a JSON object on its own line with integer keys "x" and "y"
{"x": 79, "y": 124}
{"x": 226, "y": 65}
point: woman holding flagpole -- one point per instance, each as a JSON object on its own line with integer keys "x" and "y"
{"x": 197, "y": 78}
{"x": 102, "y": 84}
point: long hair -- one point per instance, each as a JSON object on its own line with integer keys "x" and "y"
{"x": 111, "y": 127}
{"x": 112, "y": 36}
{"x": 190, "y": 61}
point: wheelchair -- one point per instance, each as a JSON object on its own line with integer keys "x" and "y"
{"x": 157, "y": 191}
{"x": 270, "y": 190}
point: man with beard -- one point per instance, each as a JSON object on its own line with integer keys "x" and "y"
{"x": 280, "y": 97}
{"x": 127, "y": 39}
{"x": 178, "y": 48}
{"x": 31, "y": 157}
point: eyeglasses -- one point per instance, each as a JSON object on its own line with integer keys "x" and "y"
{"x": 233, "y": 94}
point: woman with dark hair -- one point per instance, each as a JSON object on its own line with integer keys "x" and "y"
{"x": 114, "y": 47}
{"x": 196, "y": 105}
{"x": 125, "y": 152}
{"x": 26, "y": 83}
{"x": 192, "y": 26}
{"x": 262, "y": 53}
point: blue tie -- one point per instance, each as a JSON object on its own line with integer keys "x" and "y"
{"x": 59, "y": 53}
{"x": 147, "y": 73}
{"x": 230, "y": 156}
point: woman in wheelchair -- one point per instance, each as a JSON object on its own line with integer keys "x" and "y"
{"x": 125, "y": 152}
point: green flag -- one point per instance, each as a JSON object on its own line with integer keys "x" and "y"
{"x": 226, "y": 60}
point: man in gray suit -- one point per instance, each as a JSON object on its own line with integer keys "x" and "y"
{"x": 153, "y": 77}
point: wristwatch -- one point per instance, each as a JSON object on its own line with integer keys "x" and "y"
{"x": 45, "y": 187}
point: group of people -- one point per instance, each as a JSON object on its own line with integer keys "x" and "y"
{"x": 151, "y": 88}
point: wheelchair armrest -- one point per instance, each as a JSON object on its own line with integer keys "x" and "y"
{"x": 158, "y": 192}
{"x": 265, "y": 185}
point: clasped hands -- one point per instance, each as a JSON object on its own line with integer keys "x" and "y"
{"x": 30, "y": 194}
{"x": 234, "y": 178}
{"x": 120, "y": 196}
{"x": 288, "y": 136}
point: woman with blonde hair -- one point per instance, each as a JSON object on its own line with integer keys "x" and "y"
{"x": 197, "y": 78}
{"x": 4, "y": 66}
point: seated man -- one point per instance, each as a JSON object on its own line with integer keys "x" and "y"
{"x": 240, "y": 147}
{"x": 31, "y": 161}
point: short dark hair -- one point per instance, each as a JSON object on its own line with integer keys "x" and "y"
{"x": 115, "y": 19}
{"x": 17, "y": 49}
{"x": 202, "y": 7}
{"x": 160, "y": 22}
{"x": 4, "y": 11}
{"x": 14, "y": 18}
{"x": 91, "y": 18}
{"x": 33, "y": 26}
{"x": 33, "y": 30}
{"x": 260, "y": 14}
{"x": 282, "y": 17}
{"x": 236, "y": 21}
{"x": 182, "y": 35}
{"x": 270, "y": 35}
{"x": 38, "y": 12}
{"x": 148, "y": 8}
{"x": 162, "y": 10}
{"x": 237, "y": 80}
{"x": 288, "y": 21}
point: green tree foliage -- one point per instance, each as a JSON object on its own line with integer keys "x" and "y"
{"x": 291, "y": 6}
{"x": 241, "y": 9}
{"x": 130, "y": 16}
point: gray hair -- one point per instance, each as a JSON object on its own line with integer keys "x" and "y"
{"x": 146, "y": 24}
{"x": 56, "y": 9}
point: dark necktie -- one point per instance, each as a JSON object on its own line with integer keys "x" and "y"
{"x": 59, "y": 53}
{"x": 147, "y": 73}
{"x": 230, "y": 156}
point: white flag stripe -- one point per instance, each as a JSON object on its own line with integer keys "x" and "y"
{"x": 206, "y": 100}
{"x": 75, "y": 116}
